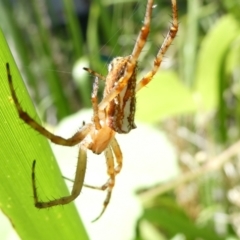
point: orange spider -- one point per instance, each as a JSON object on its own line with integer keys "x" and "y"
{"x": 114, "y": 114}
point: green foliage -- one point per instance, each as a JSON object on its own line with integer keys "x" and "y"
{"x": 171, "y": 219}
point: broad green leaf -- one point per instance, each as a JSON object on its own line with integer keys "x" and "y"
{"x": 20, "y": 145}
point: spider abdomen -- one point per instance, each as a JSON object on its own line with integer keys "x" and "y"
{"x": 121, "y": 110}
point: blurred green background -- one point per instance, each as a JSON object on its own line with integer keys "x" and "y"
{"x": 194, "y": 98}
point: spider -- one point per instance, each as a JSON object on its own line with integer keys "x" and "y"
{"x": 114, "y": 114}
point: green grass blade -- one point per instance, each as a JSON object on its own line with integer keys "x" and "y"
{"x": 190, "y": 43}
{"x": 74, "y": 28}
{"x": 43, "y": 49}
{"x": 20, "y": 145}
{"x": 212, "y": 55}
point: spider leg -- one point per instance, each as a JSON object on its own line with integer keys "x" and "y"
{"x": 167, "y": 42}
{"x": 76, "y": 138}
{"x": 95, "y": 74}
{"x": 132, "y": 61}
{"x": 142, "y": 37}
{"x": 109, "y": 184}
{"x": 114, "y": 148}
{"x": 77, "y": 183}
{"x": 94, "y": 100}
{"x": 118, "y": 155}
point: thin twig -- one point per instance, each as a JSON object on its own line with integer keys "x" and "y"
{"x": 212, "y": 165}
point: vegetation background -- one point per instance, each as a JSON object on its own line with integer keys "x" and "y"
{"x": 194, "y": 100}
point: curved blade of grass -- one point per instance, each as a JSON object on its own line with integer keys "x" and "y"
{"x": 20, "y": 145}
{"x": 74, "y": 28}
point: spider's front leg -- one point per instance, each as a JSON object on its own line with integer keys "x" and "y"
{"x": 131, "y": 63}
{"x": 167, "y": 42}
{"x": 76, "y": 138}
{"x": 77, "y": 183}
